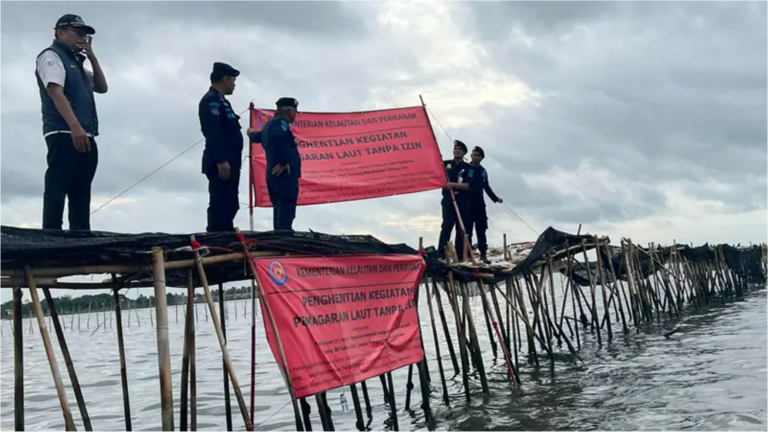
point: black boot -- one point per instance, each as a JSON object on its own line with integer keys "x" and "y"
{"x": 484, "y": 258}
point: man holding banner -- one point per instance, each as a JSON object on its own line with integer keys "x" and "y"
{"x": 283, "y": 163}
{"x": 458, "y": 186}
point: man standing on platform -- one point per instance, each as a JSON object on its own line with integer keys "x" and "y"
{"x": 223, "y": 154}
{"x": 70, "y": 122}
{"x": 457, "y": 186}
{"x": 283, "y": 162}
{"x": 478, "y": 183}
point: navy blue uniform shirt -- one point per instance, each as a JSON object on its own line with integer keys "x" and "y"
{"x": 222, "y": 131}
{"x": 457, "y": 173}
{"x": 281, "y": 148}
{"x": 478, "y": 183}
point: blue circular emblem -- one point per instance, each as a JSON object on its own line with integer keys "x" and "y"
{"x": 277, "y": 273}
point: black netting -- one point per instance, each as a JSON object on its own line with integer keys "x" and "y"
{"x": 580, "y": 273}
{"x": 558, "y": 243}
{"x": 53, "y": 248}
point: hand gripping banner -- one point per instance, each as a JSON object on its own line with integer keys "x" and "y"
{"x": 356, "y": 156}
{"x": 342, "y": 320}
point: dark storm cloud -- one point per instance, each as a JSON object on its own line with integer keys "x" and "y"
{"x": 320, "y": 19}
{"x": 652, "y": 92}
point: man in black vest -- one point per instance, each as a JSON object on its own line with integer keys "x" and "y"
{"x": 70, "y": 122}
{"x": 283, "y": 163}
{"x": 223, "y": 154}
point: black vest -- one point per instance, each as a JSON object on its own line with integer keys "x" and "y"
{"x": 78, "y": 91}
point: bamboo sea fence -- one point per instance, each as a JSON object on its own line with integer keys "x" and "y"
{"x": 100, "y": 315}
{"x": 531, "y": 321}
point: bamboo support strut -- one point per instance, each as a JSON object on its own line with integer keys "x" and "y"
{"x": 60, "y": 390}
{"x": 222, "y": 341}
{"x": 163, "y": 344}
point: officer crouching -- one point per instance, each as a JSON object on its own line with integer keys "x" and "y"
{"x": 223, "y": 154}
{"x": 283, "y": 163}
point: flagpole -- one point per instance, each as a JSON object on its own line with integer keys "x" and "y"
{"x": 251, "y": 202}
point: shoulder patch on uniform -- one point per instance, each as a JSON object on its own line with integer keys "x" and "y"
{"x": 214, "y": 110}
{"x": 449, "y": 166}
{"x": 213, "y": 104}
{"x": 284, "y": 124}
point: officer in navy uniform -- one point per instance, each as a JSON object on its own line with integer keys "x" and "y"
{"x": 478, "y": 185}
{"x": 70, "y": 121}
{"x": 458, "y": 186}
{"x": 283, "y": 162}
{"x": 223, "y": 154}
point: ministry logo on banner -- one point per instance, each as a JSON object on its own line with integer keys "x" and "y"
{"x": 277, "y": 273}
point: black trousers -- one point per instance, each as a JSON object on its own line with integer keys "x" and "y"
{"x": 479, "y": 223}
{"x": 223, "y": 200}
{"x": 450, "y": 220}
{"x": 284, "y": 194}
{"x": 69, "y": 175}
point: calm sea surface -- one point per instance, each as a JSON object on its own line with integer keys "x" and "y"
{"x": 710, "y": 375}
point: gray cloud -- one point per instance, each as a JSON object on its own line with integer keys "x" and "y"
{"x": 597, "y": 113}
{"x": 654, "y": 92}
{"x": 325, "y": 20}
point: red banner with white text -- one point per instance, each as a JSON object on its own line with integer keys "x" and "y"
{"x": 356, "y": 156}
{"x": 342, "y": 320}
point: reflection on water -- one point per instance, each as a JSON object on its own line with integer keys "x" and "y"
{"x": 711, "y": 375}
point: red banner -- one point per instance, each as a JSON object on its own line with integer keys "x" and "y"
{"x": 342, "y": 320}
{"x": 355, "y": 156}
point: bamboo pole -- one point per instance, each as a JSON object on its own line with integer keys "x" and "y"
{"x": 60, "y": 390}
{"x": 227, "y": 404}
{"x": 67, "y": 360}
{"x": 222, "y": 340}
{"x": 188, "y": 321}
{"x": 117, "y": 268}
{"x": 448, "y": 340}
{"x": 437, "y": 345}
{"x": 461, "y": 335}
{"x": 163, "y": 344}
{"x": 18, "y": 362}
{"x": 121, "y": 351}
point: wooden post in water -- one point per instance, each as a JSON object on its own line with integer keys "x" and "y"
{"x": 359, "y": 424}
{"x": 448, "y": 340}
{"x": 227, "y": 405}
{"x": 67, "y": 360}
{"x": 189, "y": 333}
{"x": 222, "y": 340}
{"x": 121, "y": 351}
{"x": 18, "y": 362}
{"x": 460, "y": 334}
{"x": 437, "y": 344}
{"x": 60, "y": 390}
{"x": 601, "y": 280}
{"x": 163, "y": 344}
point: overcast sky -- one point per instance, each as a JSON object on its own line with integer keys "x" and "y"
{"x": 640, "y": 120}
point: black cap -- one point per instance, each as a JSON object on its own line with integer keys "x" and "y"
{"x": 222, "y": 69}
{"x": 74, "y": 21}
{"x": 287, "y": 102}
{"x": 480, "y": 151}
{"x": 460, "y": 144}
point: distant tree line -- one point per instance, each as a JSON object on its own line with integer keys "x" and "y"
{"x": 66, "y": 305}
